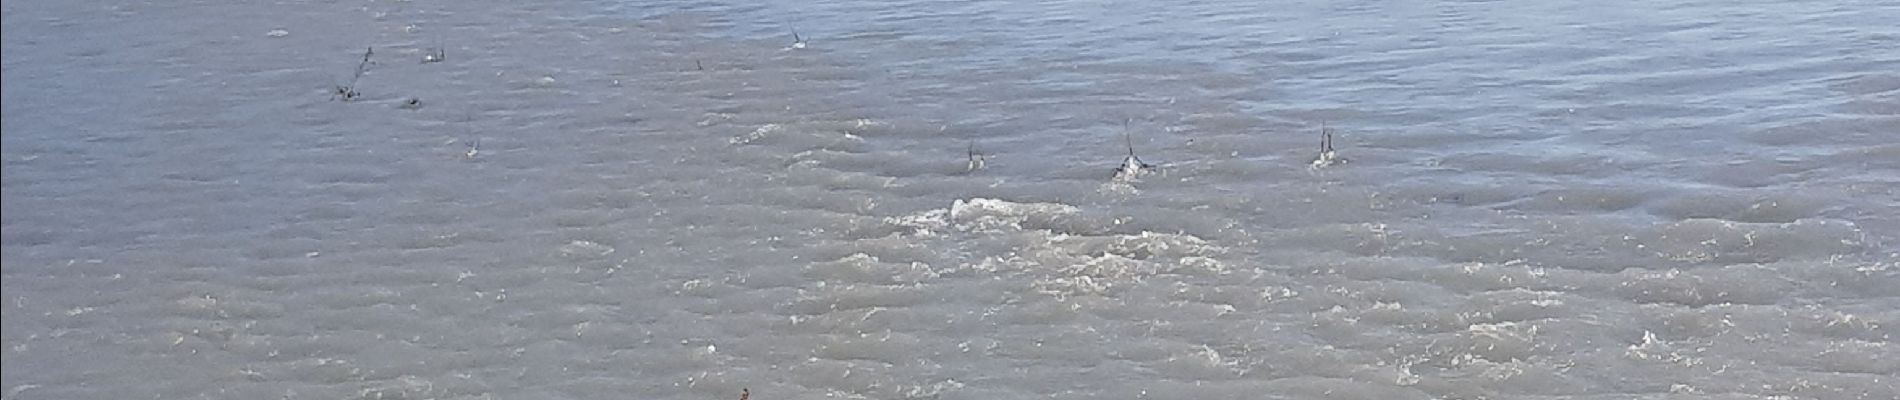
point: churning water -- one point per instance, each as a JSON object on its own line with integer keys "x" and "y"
{"x": 669, "y": 200}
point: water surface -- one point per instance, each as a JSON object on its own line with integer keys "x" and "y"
{"x": 1541, "y": 199}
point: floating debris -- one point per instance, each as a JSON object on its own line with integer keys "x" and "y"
{"x": 1132, "y": 167}
{"x": 745, "y": 394}
{"x": 277, "y": 33}
{"x": 797, "y": 41}
{"x": 411, "y": 104}
{"x": 347, "y": 92}
{"x": 435, "y": 55}
{"x": 976, "y": 159}
{"x": 471, "y": 141}
{"x": 1327, "y": 156}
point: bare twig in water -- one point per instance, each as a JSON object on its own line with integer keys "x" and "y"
{"x": 474, "y": 145}
{"x": 347, "y": 92}
{"x": 798, "y": 42}
{"x": 1327, "y": 156}
{"x": 976, "y": 159}
{"x": 1132, "y": 166}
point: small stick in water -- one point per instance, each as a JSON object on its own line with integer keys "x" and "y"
{"x": 347, "y": 92}
{"x": 976, "y": 159}
{"x": 702, "y": 67}
{"x": 474, "y": 145}
{"x": 1132, "y": 166}
{"x": 1327, "y": 156}
{"x": 364, "y": 66}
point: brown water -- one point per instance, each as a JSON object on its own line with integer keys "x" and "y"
{"x": 1537, "y": 200}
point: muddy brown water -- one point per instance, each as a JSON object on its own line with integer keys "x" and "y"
{"x": 1545, "y": 199}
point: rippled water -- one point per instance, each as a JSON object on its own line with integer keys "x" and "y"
{"x": 1541, "y": 199}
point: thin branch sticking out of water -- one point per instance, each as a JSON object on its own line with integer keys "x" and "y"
{"x": 1132, "y": 166}
{"x": 1327, "y": 156}
{"x": 472, "y": 141}
{"x": 798, "y": 42}
{"x": 976, "y": 159}
{"x": 347, "y": 92}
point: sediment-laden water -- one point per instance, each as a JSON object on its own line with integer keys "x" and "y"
{"x": 667, "y": 200}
